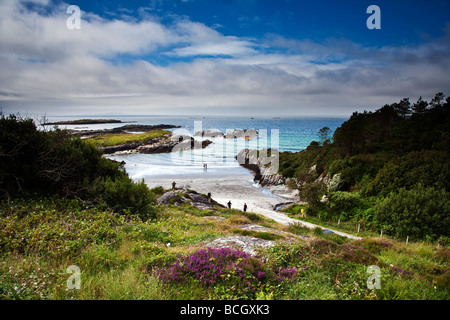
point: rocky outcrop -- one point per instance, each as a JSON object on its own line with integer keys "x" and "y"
{"x": 209, "y": 134}
{"x": 264, "y": 164}
{"x": 173, "y": 144}
{"x": 164, "y": 144}
{"x": 231, "y": 134}
{"x": 180, "y": 196}
{"x": 239, "y": 133}
{"x": 241, "y": 243}
{"x": 283, "y": 205}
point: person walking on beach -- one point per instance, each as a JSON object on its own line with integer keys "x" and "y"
{"x": 245, "y": 207}
{"x": 229, "y": 204}
{"x": 205, "y": 167}
{"x": 173, "y": 185}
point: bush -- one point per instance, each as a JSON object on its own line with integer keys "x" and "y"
{"x": 218, "y": 266}
{"x": 430, "y": 168}
{"x": 312, "y": 192}
{"x": 372, "y": 245}
{"x": 54, "y": 227}
{"x": 336, "y": 183}
{"x": 343, "y": 203}
{"x": 417, "y": 213}
{"x": 356, "y": 254}
{"x": 34, "y": 162}
{"x": 124, "y": 195}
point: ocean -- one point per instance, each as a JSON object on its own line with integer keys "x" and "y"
{"x": 284, "y": 134}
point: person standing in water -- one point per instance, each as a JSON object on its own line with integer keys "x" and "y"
{"x": 245, "y": 207}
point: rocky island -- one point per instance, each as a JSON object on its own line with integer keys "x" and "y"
{"x": 140, "y": 139}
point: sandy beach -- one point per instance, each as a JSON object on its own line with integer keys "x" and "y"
{"x": 240, "y": 189}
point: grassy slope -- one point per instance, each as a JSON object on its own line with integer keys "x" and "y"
{"x": 108, "y": 140}
{"x": 119, "y": 256}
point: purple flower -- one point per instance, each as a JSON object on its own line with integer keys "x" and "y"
{"x": 286, "y": 274}
{"x": 210, "y": 266}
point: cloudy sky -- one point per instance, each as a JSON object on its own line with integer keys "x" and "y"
{"x": 231, "y": 57}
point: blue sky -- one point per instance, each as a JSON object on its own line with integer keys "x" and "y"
{"x": 247, "y": 57}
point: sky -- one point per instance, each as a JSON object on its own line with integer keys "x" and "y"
{"x": 222, "y": 57}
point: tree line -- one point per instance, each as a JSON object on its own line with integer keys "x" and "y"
{"x": 388, "y": 168}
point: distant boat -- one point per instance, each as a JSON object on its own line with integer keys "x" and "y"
{"x": 276, "y": 118}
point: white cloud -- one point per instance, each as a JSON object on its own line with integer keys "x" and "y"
{"x": 45, "y": 64}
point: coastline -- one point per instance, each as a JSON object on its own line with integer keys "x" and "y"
{"x": 239, "y": 190}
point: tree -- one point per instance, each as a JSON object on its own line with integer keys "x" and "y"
{"x": 420, "y": 106}
{"x": 437, "y": 100}
{"x": 324, "y": 135}
{"x": 403, "y": 108}
{"x": 418, "y": 213}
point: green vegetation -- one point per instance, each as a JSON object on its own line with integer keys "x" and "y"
{"x": 64, "y": 204}
{"x": 125, "y": 257}
{"x": 35, "y": 163}
{"x": 387, "y": 170}
{"x": 111, "y": 139}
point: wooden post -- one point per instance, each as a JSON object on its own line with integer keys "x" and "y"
{"x": 407, "y": 239}
{"x": 358, "y": 226}
{"x": 381, "y": 234}
{"x": 339, "y": 221}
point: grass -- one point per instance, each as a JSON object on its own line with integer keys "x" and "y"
{"x": 115, "y": 139}
{"x": 120, "y": 257}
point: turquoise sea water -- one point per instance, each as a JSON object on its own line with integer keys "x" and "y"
{"x": 285, "y": 134}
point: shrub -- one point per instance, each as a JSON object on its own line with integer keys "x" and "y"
{"x": 46, "y": 163}
{"x": 417, "y": 213}
{"x": 323, "y": 246}
{"x": 158, "y": 190}
{"x": 443, "y": 281}
{"x": 54, "y": 227}
{"x": 356, "y": 254}
{"x": 312, "y": 192}
{"x": 124, "y": 195}
{"x": 336, "y": 183}
{"x": 285, "y": 255}
{"x": 372, "y": 245}
{"x": 214, "y": 266}
{"x": 343, "y": 203}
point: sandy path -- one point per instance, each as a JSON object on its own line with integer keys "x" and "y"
{"x": 239, "y": 190}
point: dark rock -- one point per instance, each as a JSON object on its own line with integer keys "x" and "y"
{"x": 261, "y": 164}
{"x": 239, "y": 133}
{"x": 166, "y": 197}
{"x": 209, "y": 134}
{"x": 175, "y": 143}
{"x": 282, "y": 206}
